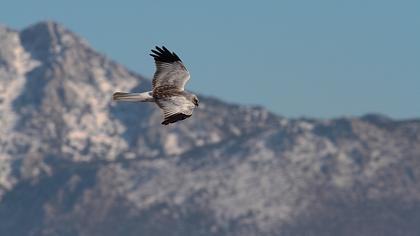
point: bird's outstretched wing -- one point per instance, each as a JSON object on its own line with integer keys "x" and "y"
{"x": 170, "y": 71}
{"x": 175, "y": 108}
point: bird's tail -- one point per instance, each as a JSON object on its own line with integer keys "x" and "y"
{"x": 133, "y": 97}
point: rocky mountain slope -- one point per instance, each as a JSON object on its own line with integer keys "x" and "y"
{"x": 75, "y": 163}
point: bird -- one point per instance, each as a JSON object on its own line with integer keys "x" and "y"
{"x": 168, "y": 91}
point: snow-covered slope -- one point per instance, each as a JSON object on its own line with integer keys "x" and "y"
{"x": 75, "y": 163}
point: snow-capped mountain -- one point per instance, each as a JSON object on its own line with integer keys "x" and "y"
{"x": 75, "y": 163}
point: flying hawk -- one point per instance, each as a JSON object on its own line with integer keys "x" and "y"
{"x": 167, "y": 88}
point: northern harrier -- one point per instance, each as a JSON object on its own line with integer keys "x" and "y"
{"x": 167, "y": 88}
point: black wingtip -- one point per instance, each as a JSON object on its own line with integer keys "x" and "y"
{"x": 164, "y": 55}
{"x": 174, "y": 118}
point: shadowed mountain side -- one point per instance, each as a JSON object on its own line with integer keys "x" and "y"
{"x": 379, "y": 217}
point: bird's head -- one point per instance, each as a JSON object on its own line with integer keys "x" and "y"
{"x": 195, "y": 101}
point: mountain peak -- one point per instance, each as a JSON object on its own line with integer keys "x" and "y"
{"x": 48, "y": 27}
{"x": 47, "y": 39}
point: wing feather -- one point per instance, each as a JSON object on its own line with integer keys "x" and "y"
{"x": 175, "y": 108}
{"x": 170, "y": 71}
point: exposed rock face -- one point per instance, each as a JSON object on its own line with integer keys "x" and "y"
{"x": 74, "y": 163}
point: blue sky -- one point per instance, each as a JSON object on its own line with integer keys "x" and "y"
{"x": 324, "y": 58}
